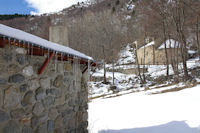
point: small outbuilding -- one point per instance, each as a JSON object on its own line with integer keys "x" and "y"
{"x": 43, "y": 85}
{"x": 154, "y": 54}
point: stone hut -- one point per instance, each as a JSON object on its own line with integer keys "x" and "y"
{"x": 154, "y": 54}
{"x": 43, "y": 85}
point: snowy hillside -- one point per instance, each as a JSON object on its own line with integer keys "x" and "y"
{"x": 130, "y": 82}
{"x": 126, "y": 55}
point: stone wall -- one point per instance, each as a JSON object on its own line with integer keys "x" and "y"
{"x": 54, "y": 102}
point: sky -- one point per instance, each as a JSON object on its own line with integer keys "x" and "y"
{"x": 34, "y": 6}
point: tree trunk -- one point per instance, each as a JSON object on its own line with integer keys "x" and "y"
{"x": 144, "y": 79}
{"x": 154, "y": 59}
{"x": 113, "y": 72}
{"x": 104, "y": 66}
{"x": 138, "y": 65}
{"x": 197, "y": 36}
{"x": 166, "y": 53}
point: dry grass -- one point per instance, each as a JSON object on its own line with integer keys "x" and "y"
{"x": 175, "y": 89}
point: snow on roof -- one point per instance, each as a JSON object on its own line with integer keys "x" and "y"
{"x": 170, "y": 44}
{"x": 149, "y": 44}
{"x": 37, "y": 41}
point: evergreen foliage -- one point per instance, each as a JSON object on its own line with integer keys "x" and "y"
{"x": 12, "y": 16}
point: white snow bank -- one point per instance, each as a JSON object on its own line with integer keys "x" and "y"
{"x": 170, "y": 44}
{"x": 32, "y": 39}
{"x": 138, "y": 110}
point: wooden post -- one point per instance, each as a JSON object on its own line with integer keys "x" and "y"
{"x": 2, "y": 42}
{"x": 41, "y": 70}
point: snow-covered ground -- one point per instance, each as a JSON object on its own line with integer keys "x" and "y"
{"x": 136, "y": 109}
{"x": 141, "y": 112}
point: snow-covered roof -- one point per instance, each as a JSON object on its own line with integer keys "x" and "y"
{"x": 37, "y": 41}
{"x": 169, "y": 44}
{"x": 149, "y": 44}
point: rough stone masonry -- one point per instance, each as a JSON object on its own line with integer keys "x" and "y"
{"x": 54, "y": 102}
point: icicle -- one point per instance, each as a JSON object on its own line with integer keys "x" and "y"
{"x": 55, "y": 61}
{"x": 42, "y": 50}
{"x": 28, "y": 47}
{"x": 14, "y": 53}
{"x": 63, "y": 56}
{"x": 28, "y": 51}
{"x": 88, "y": 70}
{"x": 47, "y": 53}
{"x": 74, "y": 70}
{"x": 89, "y": 75}
{"x": 32, "y": 50}
{"x": 62, "y": 62}
{"x": 9, "y": 43}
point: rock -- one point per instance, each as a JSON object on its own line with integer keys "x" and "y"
{"x": 48, "y": 101}
{"x": 17, "y": 78}
{"x": 60, "y": 68}
{"x": 11, "y": 98}
{"x": 28, "y": 71}
{"x": 50, "y": 126}
{"x": 62, "y": 108}
{"x": 42, "y": 128}
{"x": 58, "y": 82}
{"x": 25, "y": 120}
{"x": 71, "y": 102}
{"x": 194, "y": 81}
{"x": 79, "y": 116}
{"x": 23, "y": 88}
{"x": 11, "y": 127}
{"x": 13, "y": 68}
{"x": 7, "y": 57}
{"x": 53, "y": 113}
{"x": 33, "y": 84}
{"x": 60, "y": 100}
{"x": 54, "y": 92}
{"x": 45, "y": 83}
{"x": 38, "y": 109}
{"x": 18, "y": 113}
{"x": 85, "y": 116}
{"x": 59, "y": 122}
{"x": 68, "y": 80}
{"x": 34, "y": 122}
{"x": 21, "y": 59}
{"x": 28, "y": 98}
{"x": 1, "y": 98}
{"x": 20, "y": 51}
{"x": 76, "y": 108}
{"x": 147, "y": 88}
{"x": 40, "y": 94}
{"x": 3, "y": 116}
{"x": 38, "y": 120}
{"x": 67, "y": 67}
{"x": 43, "y": 118}
{"x": 27, "y": 129}
{"x": 3, "y": 81}
{"x": 67, "y": 112}
{"x": 60, "y": 130}
{"x": 69, "y": 121}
